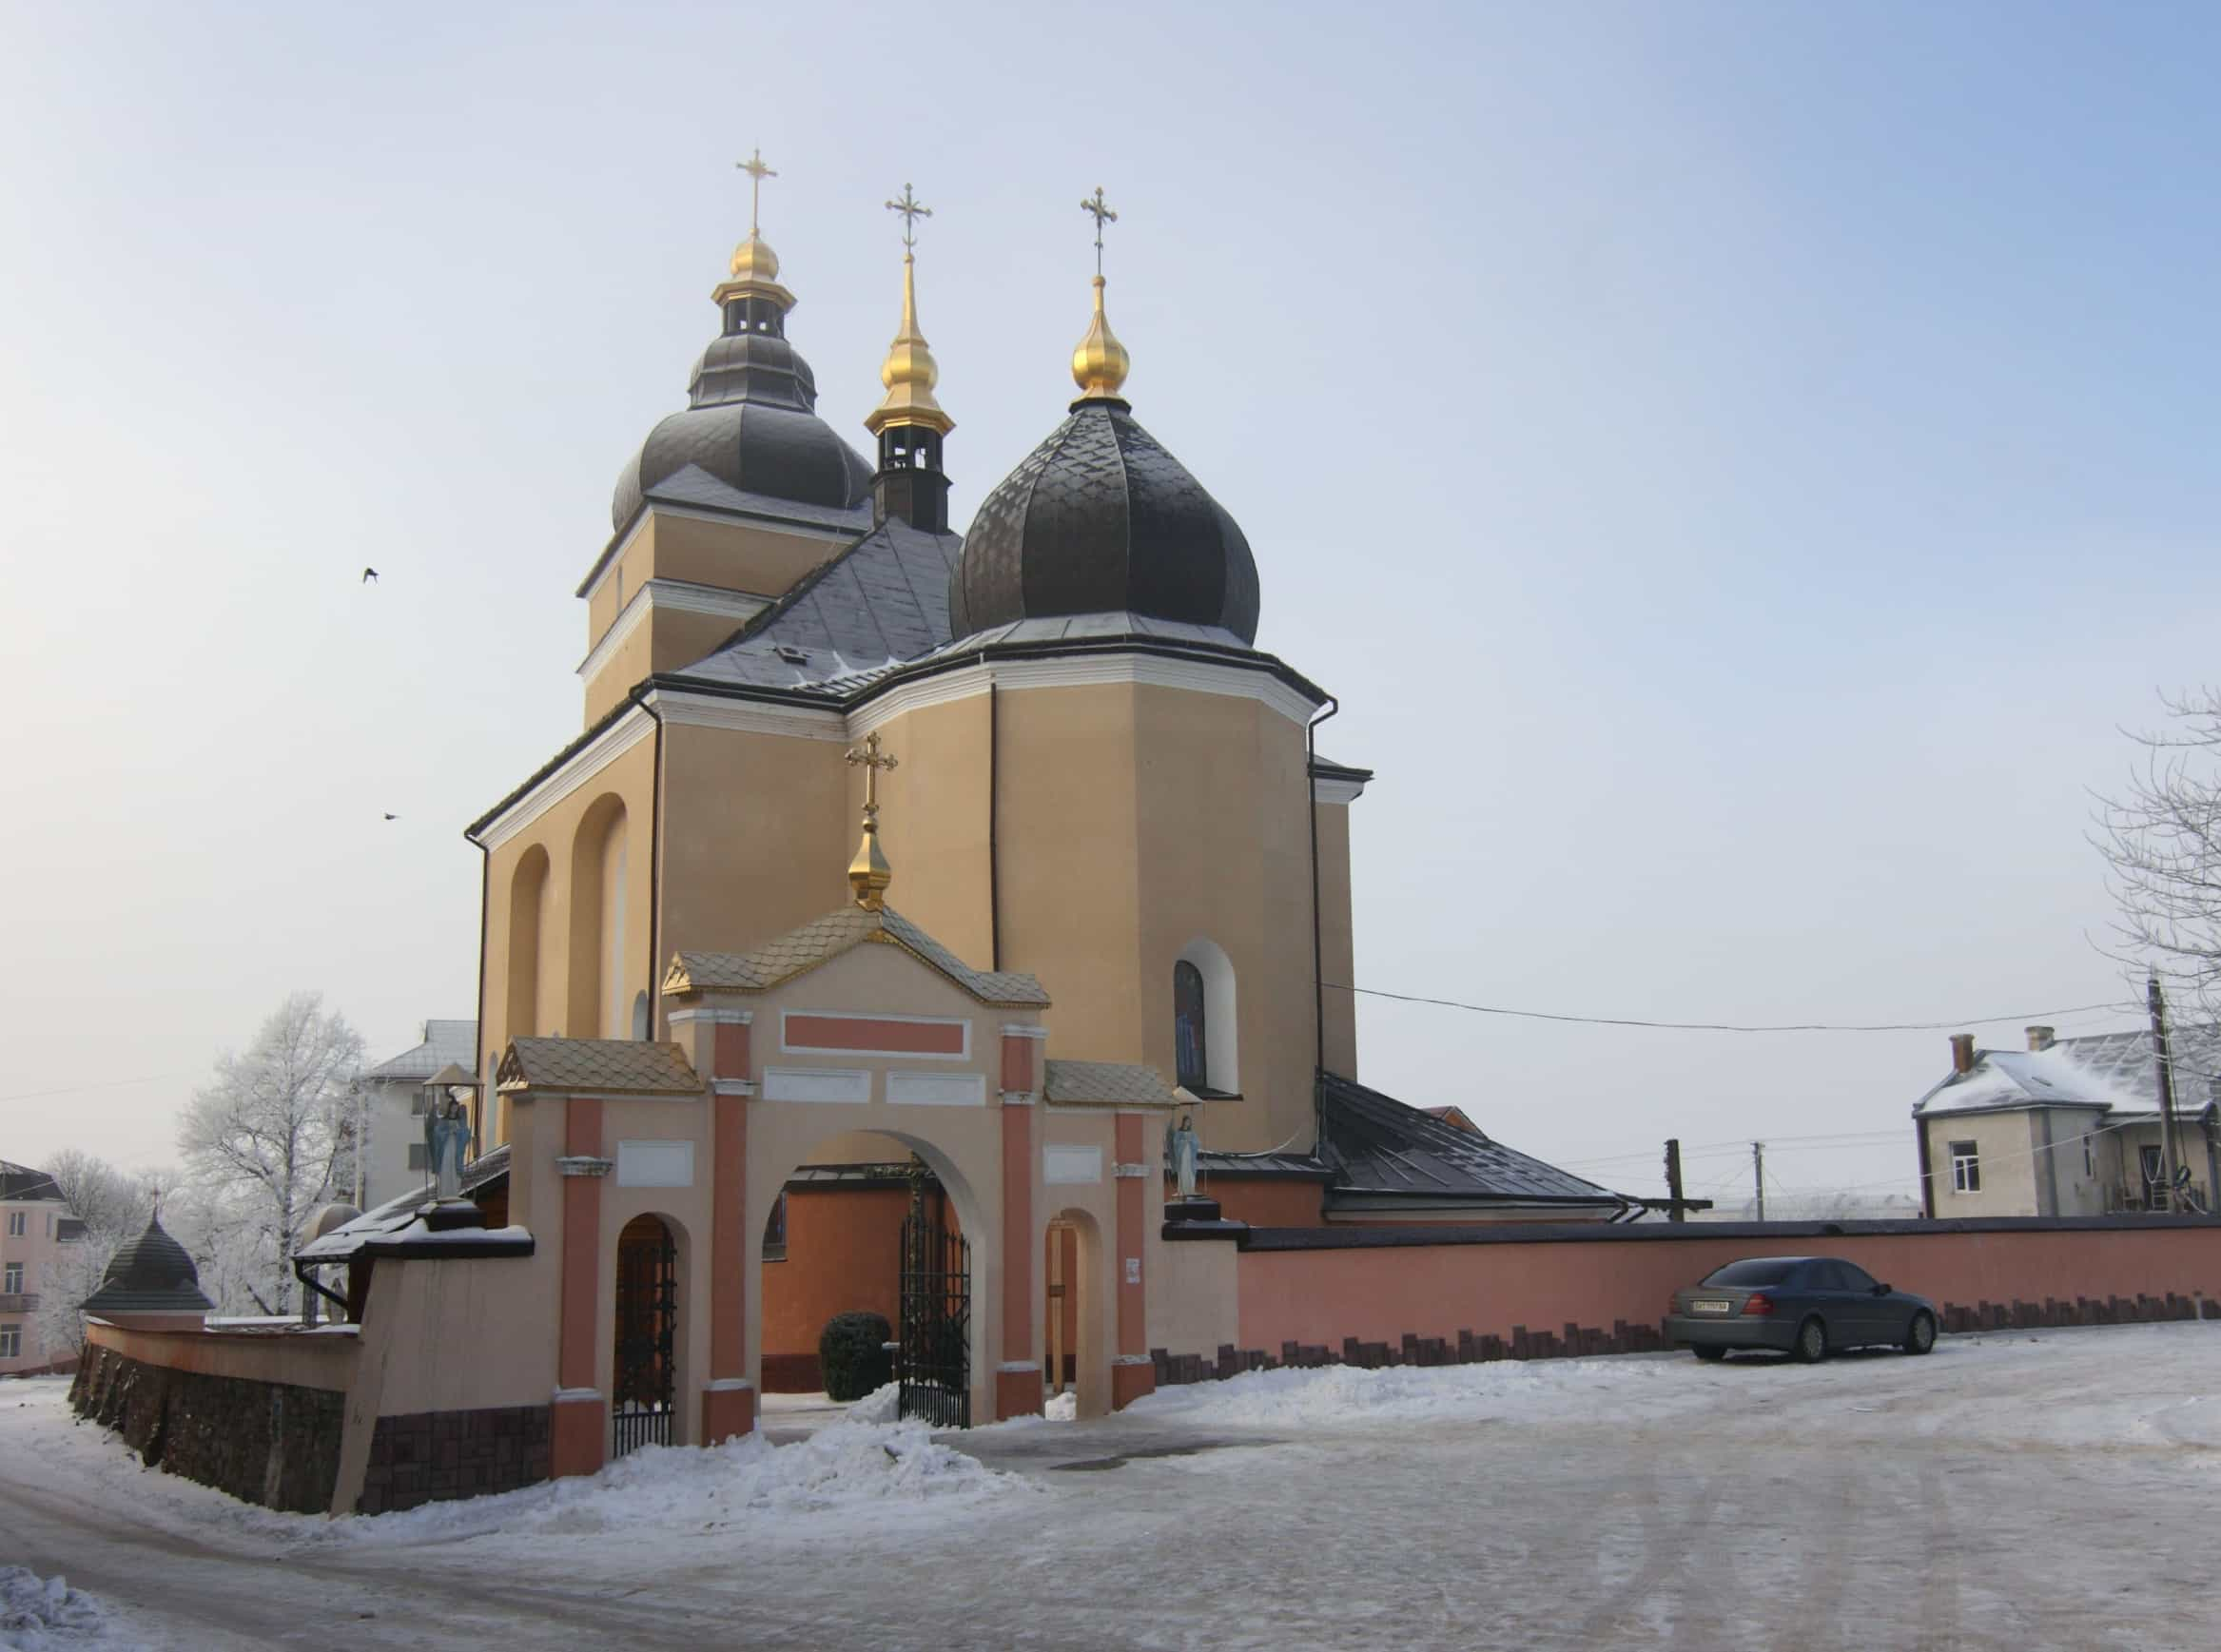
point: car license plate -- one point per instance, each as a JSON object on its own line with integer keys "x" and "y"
{"x": 1708, "y": 1305}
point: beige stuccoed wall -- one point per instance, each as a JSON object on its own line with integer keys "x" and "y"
{"x": 2005, "y": 1143}
{"x": 1194, "y": 1302}
{"x": 756, "y": 558}
{"x": 757, "y": 831}
{"x": 1337, "y": 937}
{"x": 631, "y": 779}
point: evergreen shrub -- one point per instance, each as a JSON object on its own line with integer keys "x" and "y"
{"x": 852, "y": 1351}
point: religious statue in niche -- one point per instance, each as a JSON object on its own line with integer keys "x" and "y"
{"x": 447, "y": 1133}
{"x": 1180, "y": 1147}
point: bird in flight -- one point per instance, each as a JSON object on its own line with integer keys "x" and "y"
{"x": 370, "y": 577}
{"x": 393, "y": 816}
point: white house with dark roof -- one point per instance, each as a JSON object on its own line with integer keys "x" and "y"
{"x": 395, "y": 1094}
{"x": 2070, "y": 1127}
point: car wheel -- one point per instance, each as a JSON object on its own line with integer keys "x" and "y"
{"x": 1920, "y": 1334}
{"x": 1711, "y": 1355}
{"x": 1812, "y": 1342}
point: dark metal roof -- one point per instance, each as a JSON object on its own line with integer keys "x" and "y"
{"x": 1098, "y": 519}
{"x": 882, "y": 600}
{"x": 750, "y": 423}
{"x": 1381, "y": 1146}
{"x": 20, "y": 1182}
{"x": 153, "y": 1273}
{"x": 445, "y": 1042}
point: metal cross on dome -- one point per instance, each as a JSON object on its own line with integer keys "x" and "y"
{"x": 911, "y": 211}
{"x": 1099, "y": 209}
{"x": 756, "y": 173}
{"x": 871, "y": 760}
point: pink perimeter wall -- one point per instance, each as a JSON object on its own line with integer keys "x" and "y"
{"x": 1378, "y": 1294}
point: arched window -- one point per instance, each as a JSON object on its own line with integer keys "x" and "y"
{"x": 1191, "y": 1048}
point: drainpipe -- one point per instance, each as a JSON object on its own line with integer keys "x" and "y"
{"x": 655, "y": 863}
{"x": 994, "y": 819}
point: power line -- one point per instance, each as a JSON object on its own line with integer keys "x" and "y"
{"x": 104, "y": 1084}
{"x": 1485, "y": 1009}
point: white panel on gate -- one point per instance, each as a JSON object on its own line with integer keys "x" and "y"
{"x": 655, "y": 1164}
{"x": 816, "y": 1084}
{"x": 937, "y": 1089}
{"x": 1071, "y": 1166}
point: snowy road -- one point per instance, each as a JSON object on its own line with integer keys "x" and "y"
{"x": 2044, "y": 1490}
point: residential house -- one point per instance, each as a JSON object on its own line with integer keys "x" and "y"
{"x": 394, "y": 1095}
{"x": 2070, "y": 1127}
{"x": 35, "y": 1225}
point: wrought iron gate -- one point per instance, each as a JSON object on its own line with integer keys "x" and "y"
{"x": 933, "y": 1362}
{"x": 640, "y": 1411}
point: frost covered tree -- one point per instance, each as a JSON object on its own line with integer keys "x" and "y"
{"x": 113, "y": 1204}
{"x": 2161, "y": 836}
{"x": 271, "y": 1138}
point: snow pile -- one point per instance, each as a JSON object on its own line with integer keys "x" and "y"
{"x": 1062, "y": 1407}
{"x": 47, "y": 1615}
{"x": 1339, "y": 1396}
{"x": 857, "y": 1468}
{"x": 879, "y": 1405}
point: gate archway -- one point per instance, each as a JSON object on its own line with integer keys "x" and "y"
{"x": 933, "y": 1352}
{"x": 644, "y": 1388}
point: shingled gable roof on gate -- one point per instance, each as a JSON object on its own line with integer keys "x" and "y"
{"x": 1106, "y": 1083}
{"x": 602, "y": 1066}
{"x": 799, "y": 951}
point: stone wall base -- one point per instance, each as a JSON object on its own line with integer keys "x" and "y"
{"x": 437, "y": 1456}
{"x": 273, "y": 1444}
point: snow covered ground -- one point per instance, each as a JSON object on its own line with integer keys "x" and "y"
{"x": 2051, "y": 1489}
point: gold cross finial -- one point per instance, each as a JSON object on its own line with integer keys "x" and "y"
{"x": 1099, "y": 209}
{"x": 911, "y": 212}
{"x": 868, "y": 873}
{"x": 756, "y": 173}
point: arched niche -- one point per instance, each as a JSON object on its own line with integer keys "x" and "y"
{"x": 598, "y": 1005}
{"x": 528, "y": 893}
{"x": 1203, "y": 972}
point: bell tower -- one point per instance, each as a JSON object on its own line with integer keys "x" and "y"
{"x": 908, "y": 421}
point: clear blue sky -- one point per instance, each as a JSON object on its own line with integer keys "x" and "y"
{"x": 1738, "y": 464}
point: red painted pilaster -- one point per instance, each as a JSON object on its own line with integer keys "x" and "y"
{"x": 1018, "y": 1381}
{"x": 579, "y": 1419}
{"x": 1131, "y": 1373}
{"x": 729, "y": 1404}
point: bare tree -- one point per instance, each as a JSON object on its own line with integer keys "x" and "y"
{"x": 2162, "y": 839}
{"x": 113, "y": 1206}
{"x": 269, "y": 1140}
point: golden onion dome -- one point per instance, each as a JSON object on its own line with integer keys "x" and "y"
{"x": 755, "y": 260}
{"x": 1100, "y": 361}
{"x": 909, "y": 371}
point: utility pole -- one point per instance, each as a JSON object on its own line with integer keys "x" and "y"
{"x": 2167, "y": 1147}
{"x": 1757, "y": 1174}
{"x": 1676, "y": 1212}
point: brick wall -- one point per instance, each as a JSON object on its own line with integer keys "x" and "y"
{"x": 438, "y": 1456}
{"x": 268, "y": 1442}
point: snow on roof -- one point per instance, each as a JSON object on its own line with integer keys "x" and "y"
{"x": 2114, "y": 1072}
{"x": 444, "y": 1043}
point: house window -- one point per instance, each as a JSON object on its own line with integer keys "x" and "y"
{"x": 11, "y": 1279}
{"x": 16, "y": 1223}
{"x": 2089, "y": 1158}
{"x": 775, "y": 1231}
{"x": 421, "y": 1103}
{"x": 1966, "y": 1169}
{"x": 416, "y": 1159}
{"x": 10, "y": 1342}
{"x": 1191, "y": 1053}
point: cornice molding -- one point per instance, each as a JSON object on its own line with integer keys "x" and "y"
{"x": 1325, "y": 789}
{"x": 613, "y": 553}
{"x": 680, "y": 596}
{"x": 581, "y": 766}
{"x": 748, "y": 716}
{"x": 1084, "y": 670}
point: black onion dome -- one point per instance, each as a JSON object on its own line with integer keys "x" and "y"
{"x": 1099, "y": 519}
{"x": 751, "y": 422}
{"x": 153, "y": 1273}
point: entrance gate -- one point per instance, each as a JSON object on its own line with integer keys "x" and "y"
{"x": 933, "y": 1361}
{"x": 642, "y": 1403}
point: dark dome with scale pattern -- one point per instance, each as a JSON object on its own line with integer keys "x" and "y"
{"x": 1101, "y": 519}
{"x": 153, "y": 1273}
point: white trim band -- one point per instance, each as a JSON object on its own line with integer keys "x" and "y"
{"x": 1017, "y": 1366}
{"x": 1132, "y": 1172}
{"x": 680, "y": 596}
{"x": 1087, "y": 671}
{"x": 583, "y": 1164}
{"x": 732, "y": 1086}
{"x": 721, "y": 1017}
{"x": 579, "y": 768}
{"x": 728, "y": 1386}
